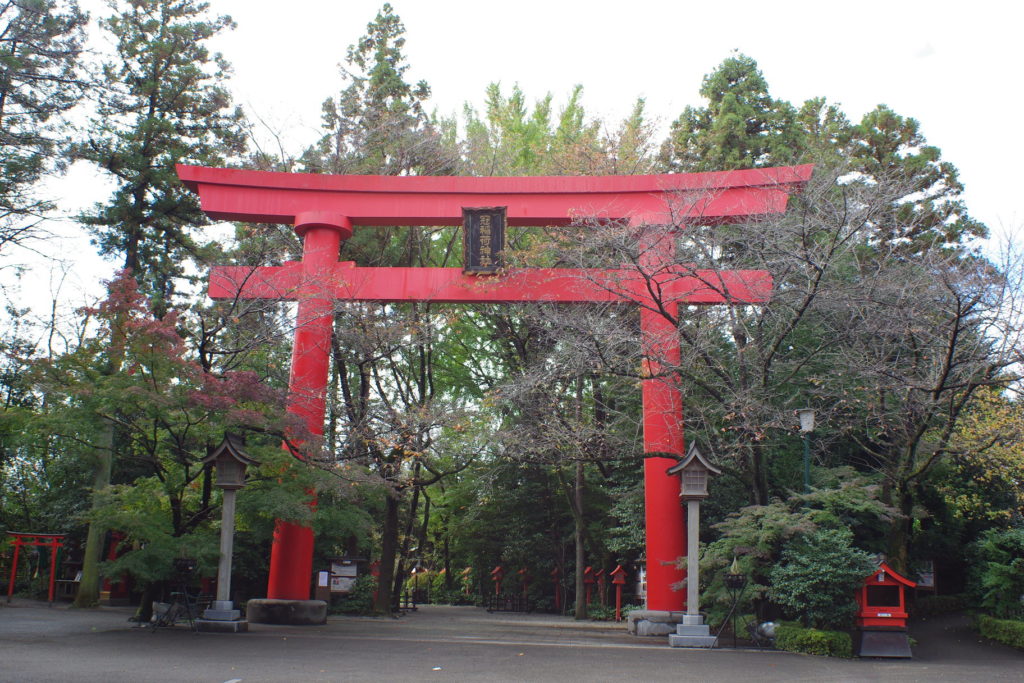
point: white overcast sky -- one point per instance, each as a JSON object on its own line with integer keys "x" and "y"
{"x": 956, "y": 67}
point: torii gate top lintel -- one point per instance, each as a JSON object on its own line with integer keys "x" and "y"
{"x": 272, "y": 197}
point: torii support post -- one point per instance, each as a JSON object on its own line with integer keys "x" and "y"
{"x": 291, "y": 555}
{"x": 323, "y": 208}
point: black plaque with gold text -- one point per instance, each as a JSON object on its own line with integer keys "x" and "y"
{"x": 483, "y": 238}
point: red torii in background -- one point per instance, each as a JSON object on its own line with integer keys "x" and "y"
{"x": 324, "y": 208}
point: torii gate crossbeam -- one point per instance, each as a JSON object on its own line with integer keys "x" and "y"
{"x": 324, "y": 208}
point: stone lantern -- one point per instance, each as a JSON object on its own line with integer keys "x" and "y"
{"x": 695, "y": 471}
{"x": 230, "y": 462}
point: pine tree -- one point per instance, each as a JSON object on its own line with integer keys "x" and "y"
{"x": 926, "y": 209}
{"x": 378, "y": 123}
{"x": 165, "y": 102}
{"x": 40, "y": 79}
{"x": 741, "y": 126}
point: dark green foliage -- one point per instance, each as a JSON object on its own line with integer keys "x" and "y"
{"x": 1008, "y": 631}
{"x": 997, "y": 571}
{"x": 378, "y": 124}
{"x": 756, "y": 536}
{"x": 929, "y": 211}
{"x": 40, "y": 79}
{"x": 818, "y": 576}
{"x": 811, "y": 641}
{"x": 164, "y": 102}
{"x": 741, "y": 126}
{"x": 359, "y": 600}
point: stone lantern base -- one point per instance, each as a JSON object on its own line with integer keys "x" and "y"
{"x": 222, "y": 617}
{"x": 218, "y": 626}
{"x": 692, "y": 632}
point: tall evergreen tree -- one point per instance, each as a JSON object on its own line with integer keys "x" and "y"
{"x": 40, "y": 79}
{"x": 164, "y": 102}
{"x": 742, "y": 126}
{"x": 386, "y": 408}
{"x": 927, "y": 209}
{"x": 378, "y": 123}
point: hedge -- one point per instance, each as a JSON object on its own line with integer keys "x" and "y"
{"x": 813, "y": 641}
{"x": 1009, "y": 631}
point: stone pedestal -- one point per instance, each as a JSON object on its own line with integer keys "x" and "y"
{"x": 222, "y": 626}
{"x": 290, "y": 612}
{"x": 692, "y": 632}
{"x": 649, "y": 622}
{"x": 222, "y": 617}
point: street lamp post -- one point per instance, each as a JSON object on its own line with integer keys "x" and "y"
{"x": 806, "y": 416}
{"x": 230, "y": 461}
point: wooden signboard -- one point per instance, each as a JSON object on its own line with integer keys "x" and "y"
{"x": 483, "y": 239}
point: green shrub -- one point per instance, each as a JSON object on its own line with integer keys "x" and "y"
{"x": 359, "y": 600}
{"x": 756, "y": 536}
{"x": 818, "y": 576}
{"x": 997, "y": 577}
{"x": 454, "y": 596}
{"x": 933, "y": 605}
{"x": 1008, "y": 631}
{"x": 601, "y": 612}
{"x": 812, "y": 641}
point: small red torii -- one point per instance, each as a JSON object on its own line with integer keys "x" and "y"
{"x": 324, "y": 208}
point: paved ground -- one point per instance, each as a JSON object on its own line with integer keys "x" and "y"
{"x": 437, "y": 643}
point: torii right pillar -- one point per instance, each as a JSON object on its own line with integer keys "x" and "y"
{"x": 665, "y": 529}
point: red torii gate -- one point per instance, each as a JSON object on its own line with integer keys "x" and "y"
{"x": 324, "y": 208}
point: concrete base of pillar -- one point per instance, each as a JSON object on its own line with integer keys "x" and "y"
{"x": 222, "y": 626}
{"x": 290, "y": 612}
{"x": 692, "y": 632}
{"x": 650, "y": 622}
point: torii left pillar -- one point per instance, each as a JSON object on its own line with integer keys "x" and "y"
{"x": 291, "y": 557}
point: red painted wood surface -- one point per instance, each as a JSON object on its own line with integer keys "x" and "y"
{"x": 265, "y": 197}
{"x": 345, "y": 281}
{"x": 892, "y": 616}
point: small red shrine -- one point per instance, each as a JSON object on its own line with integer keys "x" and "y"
{"x": 882, "y": 614}
{"x": 882, "y": 600}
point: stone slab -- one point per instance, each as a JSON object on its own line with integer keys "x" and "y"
{"x": 676, "y": 640}
{"x": 884, "y": 644}
{"x": 221, "y": 626}
{"x": 287, "y": 612}
{"x": 215, "y": 614}
{"x": 698, "y": 630}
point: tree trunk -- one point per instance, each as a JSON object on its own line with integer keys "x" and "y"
{"x": 403, "y": 556}
{"x": 581, "y": 591}
{"x": 898, "y": 556}
{"x": 89, "y": 587}
{"x": 389, "y": 547}
{"x": 758, "y": 476}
